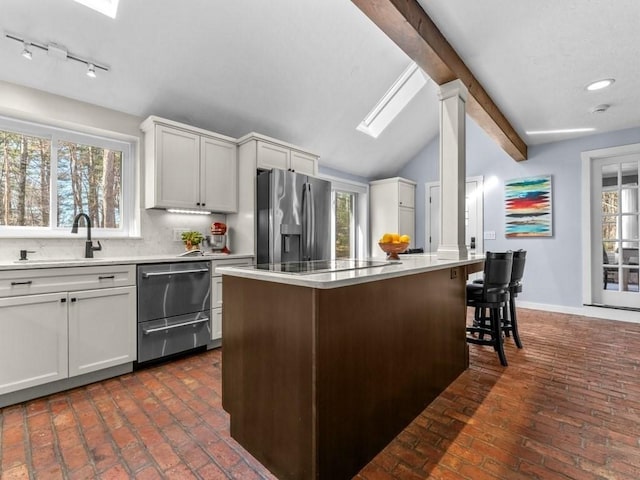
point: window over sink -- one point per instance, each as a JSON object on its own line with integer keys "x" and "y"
{"x": 49, "y": 174}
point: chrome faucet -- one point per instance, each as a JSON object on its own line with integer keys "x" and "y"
{"x": 88, "y": 245}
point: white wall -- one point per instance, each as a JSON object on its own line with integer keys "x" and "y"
{"x": 156, "y": 226}
{"x": 553, "y": 274}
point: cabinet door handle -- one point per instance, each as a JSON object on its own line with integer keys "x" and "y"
{"x": 63, "y": 300}
{"x": 106, "y": 277}
{"x": 28, "y": 282}
{"x": 73, "y": 299}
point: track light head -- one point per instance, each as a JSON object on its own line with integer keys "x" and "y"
{"x": 91, "y": 70}
{"x": 26, "y": 52}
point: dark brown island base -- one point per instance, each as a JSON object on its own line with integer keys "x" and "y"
{"x": 321, "y": 372}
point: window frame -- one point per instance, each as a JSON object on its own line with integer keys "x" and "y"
{"x": 360, "y": 214}
{"x": 129, "y": 227}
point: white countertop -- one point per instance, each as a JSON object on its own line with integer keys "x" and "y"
{"x": 35, "y": 262}
{"x": 408, "y": 265}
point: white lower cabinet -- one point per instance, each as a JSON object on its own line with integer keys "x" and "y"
{"x": 65, "y": 322}
{"x": 33, "y": 341}
{"x": 101, "y": 331}
{"x": 216, "y": 292}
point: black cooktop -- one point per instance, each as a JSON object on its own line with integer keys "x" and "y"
{"x": 319, "y": 266}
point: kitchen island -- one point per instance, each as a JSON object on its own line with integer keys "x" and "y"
{"x": 321, "y": 371}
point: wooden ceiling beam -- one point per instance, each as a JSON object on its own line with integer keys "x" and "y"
{"x": 408, "y": 25}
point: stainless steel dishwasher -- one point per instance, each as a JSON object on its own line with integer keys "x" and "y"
{"x": 174, "y": 308}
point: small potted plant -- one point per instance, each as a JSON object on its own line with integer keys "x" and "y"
{"x": 192, "y": 240}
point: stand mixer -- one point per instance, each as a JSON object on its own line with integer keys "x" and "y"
{"x": 218, "y": 239}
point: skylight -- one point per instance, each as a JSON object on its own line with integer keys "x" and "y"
{"x": 391, "y": 104}
{"x": 105, "y": 7}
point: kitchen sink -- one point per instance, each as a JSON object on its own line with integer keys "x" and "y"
{"x": 57, "y": 260}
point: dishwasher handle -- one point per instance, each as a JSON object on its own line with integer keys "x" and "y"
{"x": 173, "y": 272}
{"x": 147, "y": 331}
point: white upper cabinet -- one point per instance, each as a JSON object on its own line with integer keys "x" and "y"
{"x": 406, "y": 194}
{"x": 271, "y": 153}
{"x": 186, "y": 167}
{"x": 219, "y": 175}
{"x": 177, "y": 163}
{"x": 273, "y": 156}
{"x": 304, "y": 163}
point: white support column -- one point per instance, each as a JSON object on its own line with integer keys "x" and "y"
{"x": 453, "y": 96}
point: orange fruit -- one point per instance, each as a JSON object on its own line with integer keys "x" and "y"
{"x": 386, "y": 238}
{"x": 405, "y": 239}
{"x": 395, "y": 238}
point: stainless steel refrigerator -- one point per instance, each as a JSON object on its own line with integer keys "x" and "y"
{"x": 293, "y": 217}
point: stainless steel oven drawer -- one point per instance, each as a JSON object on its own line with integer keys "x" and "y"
{"x": 166, "y": 336}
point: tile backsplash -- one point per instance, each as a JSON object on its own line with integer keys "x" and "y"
{"x": 156, "y": 239}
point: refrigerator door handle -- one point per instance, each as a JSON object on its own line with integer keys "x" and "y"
{"x": 312, "y": 225}
{"x": 307, "y": 223}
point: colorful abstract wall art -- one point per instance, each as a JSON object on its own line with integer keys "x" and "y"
{"x": 528, "y": 207}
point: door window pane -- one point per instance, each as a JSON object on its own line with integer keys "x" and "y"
{"x": 609, "y": 227}
{"x": 629, "y": 174}
{"x": 89, "y": 181}
{"x": 24, "y": 179}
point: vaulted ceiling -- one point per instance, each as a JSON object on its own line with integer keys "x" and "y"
{"x": 308, "y": 71}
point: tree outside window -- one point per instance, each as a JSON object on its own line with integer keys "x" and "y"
{"x": 80, "y": 177}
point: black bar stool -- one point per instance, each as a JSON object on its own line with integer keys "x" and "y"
{"x": 491, "y": 294}
{"x": 510, "y": 318}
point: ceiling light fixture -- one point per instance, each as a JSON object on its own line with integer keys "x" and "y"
{"x": 391, "y": 104}
{"x": 561, "y": 130}
{"x": 56, "y": 51}
{"x": 191, "y": 212}
{"x": 600, "y": 108}
{"x": 600, "y": 84}
{"x": 26, "y": 52}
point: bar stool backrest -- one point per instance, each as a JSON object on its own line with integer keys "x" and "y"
{"x": 497, "y": 274}
{"x": 517, "y": 271}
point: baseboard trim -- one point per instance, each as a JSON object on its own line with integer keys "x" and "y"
{"x": 586, "y": 311}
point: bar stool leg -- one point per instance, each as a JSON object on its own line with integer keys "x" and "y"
{"x": 496, "y": 327}
{"x": 514, "y": 321}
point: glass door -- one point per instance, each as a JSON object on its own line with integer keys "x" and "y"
{"x": 615, "y": 213}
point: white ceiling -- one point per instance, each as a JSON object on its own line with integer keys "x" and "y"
{"x": 308, "y": 71}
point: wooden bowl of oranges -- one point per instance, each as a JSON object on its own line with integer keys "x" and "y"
{"x": 393, "y": 244}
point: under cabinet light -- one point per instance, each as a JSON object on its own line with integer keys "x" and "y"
{"x": 193, "y": 212}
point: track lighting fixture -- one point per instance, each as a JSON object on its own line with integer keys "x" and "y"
{"x": 56, "y": 51}
{"x": 26, "y": 52}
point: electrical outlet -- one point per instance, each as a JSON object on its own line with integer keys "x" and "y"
{"x": 177, "y": 234}
{"x": 454, "y": 273}
{"x": 490, "y": 235}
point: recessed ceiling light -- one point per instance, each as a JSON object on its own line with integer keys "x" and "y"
{"x": 600, "y": 84}
{"x": 105, "y": 7}
{"x": 561, "y": 130}
{"x": 600, "y": 108}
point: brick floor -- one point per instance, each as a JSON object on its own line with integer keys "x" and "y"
{"x": 567, "y": 407}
